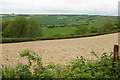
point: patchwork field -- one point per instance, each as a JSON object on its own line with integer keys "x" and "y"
{"x": 60, "y": 51}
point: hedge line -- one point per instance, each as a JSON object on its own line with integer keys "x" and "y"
{"x": 13, "y": 40}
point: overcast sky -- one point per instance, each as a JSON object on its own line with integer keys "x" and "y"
{"x": 99, "y": 7}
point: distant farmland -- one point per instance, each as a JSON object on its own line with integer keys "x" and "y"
{"x": 63, "y": 25}
{"x": 91, "y": 20}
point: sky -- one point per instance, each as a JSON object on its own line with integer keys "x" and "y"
{"x": 93, "y": 7}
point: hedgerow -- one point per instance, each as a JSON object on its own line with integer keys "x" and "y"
{"x": 102, "y": 68}
{"x": 13, "y": 40}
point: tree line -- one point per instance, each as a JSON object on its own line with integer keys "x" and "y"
{"x": 106, "y": 27}
{"x": 21, "y": 27}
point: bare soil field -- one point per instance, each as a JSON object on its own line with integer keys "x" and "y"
{"x": 60, "y": 51}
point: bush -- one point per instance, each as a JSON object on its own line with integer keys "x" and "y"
{"x": 80, "y": 68}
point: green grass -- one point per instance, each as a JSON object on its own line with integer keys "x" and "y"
{"x": 57, "y": 31}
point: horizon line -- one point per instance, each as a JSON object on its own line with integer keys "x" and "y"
{"x": 60, "y": 14}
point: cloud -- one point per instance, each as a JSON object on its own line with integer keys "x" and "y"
{"x": 107, "y": 7}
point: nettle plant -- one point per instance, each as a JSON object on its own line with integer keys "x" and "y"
{"x": 79, "y": 68}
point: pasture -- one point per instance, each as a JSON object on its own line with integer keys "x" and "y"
{"x": 57, "y": 31}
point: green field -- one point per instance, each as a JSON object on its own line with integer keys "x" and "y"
{"x": 57, "y": 31}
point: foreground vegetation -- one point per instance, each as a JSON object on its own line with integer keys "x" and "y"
{"x": 101, "y": 68}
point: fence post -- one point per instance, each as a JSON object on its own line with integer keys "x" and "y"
{"x": 116, "y": 52}
{"x": 116, "y": 58}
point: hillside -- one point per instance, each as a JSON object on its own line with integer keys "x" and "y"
{"x": 67, "y": 20}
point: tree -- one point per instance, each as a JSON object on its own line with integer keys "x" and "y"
{"x": 34, "y": 29}
{"x": 17, "y": 28}
{"x": 5, "y": 24}
{"x": 22, "y": 27}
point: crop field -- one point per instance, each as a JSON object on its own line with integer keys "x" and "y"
{"x": 60, "y": 51}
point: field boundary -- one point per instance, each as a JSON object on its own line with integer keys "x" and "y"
{"x": 15, "y": 40}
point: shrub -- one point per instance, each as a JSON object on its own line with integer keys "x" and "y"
{"x": 79, "y": 68}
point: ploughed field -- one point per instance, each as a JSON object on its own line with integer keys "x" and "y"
{"x": 60, "y": 51}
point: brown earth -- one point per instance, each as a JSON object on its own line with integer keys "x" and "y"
{"x": 60, "y": 51}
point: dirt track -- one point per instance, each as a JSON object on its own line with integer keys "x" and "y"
{"x": 60, "y": 51}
